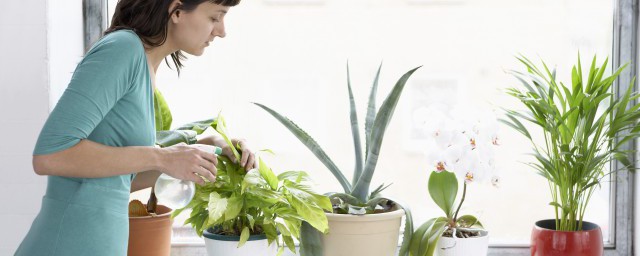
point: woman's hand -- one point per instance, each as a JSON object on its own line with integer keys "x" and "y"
{"x": 186, "y": 162}
{"x": 247, "y": 155}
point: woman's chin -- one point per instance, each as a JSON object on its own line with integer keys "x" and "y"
{"x": 197, "y": 52}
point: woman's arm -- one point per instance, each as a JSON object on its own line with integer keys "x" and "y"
{"x": 89, "y": 159}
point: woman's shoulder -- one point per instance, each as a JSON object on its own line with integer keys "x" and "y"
{"x": 123, "y": 41}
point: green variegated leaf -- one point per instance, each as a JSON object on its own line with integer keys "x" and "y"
{"x": 234, "y": 206}
{"x": 216, "y": 207}
{"x": 268, "y": 175}
{"x": 244, "y": 236}
{"x": 305, "y": 194}
{"x": 289, "y": 242}
{"x": 312, "y": 214}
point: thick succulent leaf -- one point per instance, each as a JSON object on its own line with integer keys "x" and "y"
{"x": 355, "y": 130}
{"x": 443, "y": 188}
{"x": 371, "y": 111}
{"x": 173, "y": 137}
{"x": 312, "y": 145}
{"x": 361, "y": 188}
{"x": 310, "y": 241}
{"x": 197, "y": 126}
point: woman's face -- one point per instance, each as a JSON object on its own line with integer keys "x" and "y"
{"x": 192, "y": 31}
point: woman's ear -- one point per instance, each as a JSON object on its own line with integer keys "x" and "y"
{"x": 174, "y": 10}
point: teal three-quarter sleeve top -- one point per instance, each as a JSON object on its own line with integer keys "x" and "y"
{"x": 109, "y": 101}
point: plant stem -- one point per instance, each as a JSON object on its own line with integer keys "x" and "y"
{"x": 464, "y": 193}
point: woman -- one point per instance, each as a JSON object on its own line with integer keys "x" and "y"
{"x": 101, "y": 133}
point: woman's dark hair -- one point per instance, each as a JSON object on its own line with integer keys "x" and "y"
{"x": 149, "y": 19}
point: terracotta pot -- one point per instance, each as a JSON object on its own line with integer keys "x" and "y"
{"x": 219, "y": 245}
{"x": 478, "y": 246}
{"x": 370, "y": 234}
{"x": 546, "y": 241}
{"x": 151, "y": 235}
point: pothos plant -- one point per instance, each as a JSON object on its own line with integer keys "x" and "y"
{"x": 357, "y": 197}
{"x": 243, "y": 203}
{"x": 460, "y": 148}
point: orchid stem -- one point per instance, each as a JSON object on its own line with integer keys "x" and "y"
{"x": 464, "y": 193}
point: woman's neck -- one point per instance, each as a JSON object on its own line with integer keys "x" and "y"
{"x": 155, "y": 55}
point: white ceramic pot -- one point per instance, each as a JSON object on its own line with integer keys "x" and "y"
{"x": 475, "y": 246}
{"x": 219, "y": 245}
{"x": 370, "y": 234}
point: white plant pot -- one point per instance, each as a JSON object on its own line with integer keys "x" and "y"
{"x": 218, "y": 245}
{"x": 475, "y": 246}
{"x": 370, "y": 234}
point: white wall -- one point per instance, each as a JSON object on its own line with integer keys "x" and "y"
{"x": 24, "y": 100}
{"x": 37, "y": 39}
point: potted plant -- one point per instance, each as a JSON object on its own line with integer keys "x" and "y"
{"x": 584, "y": 128}
{"x": 362, "y": 222}
{"x": 460, "y": 148}
{"x": 243, "y": 212}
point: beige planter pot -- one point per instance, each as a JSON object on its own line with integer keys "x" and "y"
{"x": 371, "y": 234}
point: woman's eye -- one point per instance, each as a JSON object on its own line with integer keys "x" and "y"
{"x": 214, "y": 19}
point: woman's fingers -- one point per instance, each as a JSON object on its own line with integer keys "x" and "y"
{"x": 207, "y": 169}
{"x": 251, "y": 161}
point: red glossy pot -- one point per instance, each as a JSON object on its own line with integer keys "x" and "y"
{"x": 546, "y": 241}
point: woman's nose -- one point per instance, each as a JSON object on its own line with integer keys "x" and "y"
{"x": 218, "y": 30}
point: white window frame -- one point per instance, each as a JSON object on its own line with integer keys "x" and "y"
{"x": 625, "y": 43}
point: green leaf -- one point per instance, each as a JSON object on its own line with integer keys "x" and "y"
{"x": 308, "y": 205}
{"x": 244, "y": 236}
{"x": 443, "y": 188}
{"x": 383, "y": 117}
{"x": 234, "y": 206}
{"x": 268, "y": 175}
{"x": 469, "y": 221}
{"x": 221, "y": 127}
{"x": 289, "y": 242}
{"x": 216, "y": 207}
{"x": 162, "y": 112}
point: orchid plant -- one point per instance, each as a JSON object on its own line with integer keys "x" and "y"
{"x": 458, "y": 149}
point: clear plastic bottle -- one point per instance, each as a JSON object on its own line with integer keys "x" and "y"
{"x": 175, "y": 193}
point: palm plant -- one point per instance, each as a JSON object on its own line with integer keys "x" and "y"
{"x": 584, "y": 128}
{"x": 356, "y": 198}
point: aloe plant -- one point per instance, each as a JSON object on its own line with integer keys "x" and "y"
{"x": 357, "y": 197}
{"x": 584, "y": 127}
